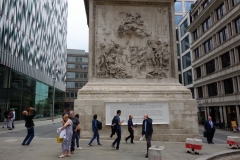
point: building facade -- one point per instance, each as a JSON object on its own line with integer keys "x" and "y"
{"x": 32, "y": 55}
{"x": 215, "y": 33}
{"x": 185, "y": 54}
{"x": 77, "y": 74}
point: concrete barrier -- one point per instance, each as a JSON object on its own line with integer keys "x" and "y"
{"x": 156, "y": 153}
{"x": 233, "y": 142}
{"x": 193, "y": 145}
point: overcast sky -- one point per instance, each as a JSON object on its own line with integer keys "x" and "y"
{"x": 77, "y": 37}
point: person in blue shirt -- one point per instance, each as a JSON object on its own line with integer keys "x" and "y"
{"x": 118, "y": 130}
{"x": 130, "y": 129}
{"x": 95, "y": 131}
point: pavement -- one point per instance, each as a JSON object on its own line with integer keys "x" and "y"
{"x": 45, "y": 147}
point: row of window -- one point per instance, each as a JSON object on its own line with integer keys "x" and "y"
{"x": 75, "y": 84}
{"x": 213, "y": 88}
{"x": 71, "y": 94}
{"x": 223, "y": 36}
{"x": 77, "y": 66}
{"x": 77, "y": 59}
{"x": 77, "y": 75}
{"x": 225, "y": 62}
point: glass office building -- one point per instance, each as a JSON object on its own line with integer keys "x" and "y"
{"x": 32, "y": 55}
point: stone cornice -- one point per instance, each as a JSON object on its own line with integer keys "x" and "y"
{"x": 148, "y": 2}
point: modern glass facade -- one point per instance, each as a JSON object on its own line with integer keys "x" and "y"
{"x": 20, "y": 91}
{"x": 33, "y": 45}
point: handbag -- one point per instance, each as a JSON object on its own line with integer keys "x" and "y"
{"x": 59, "y": 140}
{"x": 204, "y": 134}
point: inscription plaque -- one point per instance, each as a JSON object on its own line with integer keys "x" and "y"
{"x": 158, "y": 111}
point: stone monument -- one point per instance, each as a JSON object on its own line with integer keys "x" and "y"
{"x": 133, "y": 67}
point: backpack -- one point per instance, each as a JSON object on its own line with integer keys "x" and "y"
{"x": 114, "y": 124}
{"x": 99, "y": 125}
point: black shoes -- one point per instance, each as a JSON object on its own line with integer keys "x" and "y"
{"x": 126, "y": 140}
{"x": 146, "y": 156}
{"x": 112, "y": 146}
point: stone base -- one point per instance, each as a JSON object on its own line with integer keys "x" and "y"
{"x": 182, "y": 108}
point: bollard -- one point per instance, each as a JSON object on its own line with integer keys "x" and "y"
{"x": 233, "y": 142}
{"x": 193, "y": 145}
{"x": 188, "y": 145}
{"x": 156, "y": 153}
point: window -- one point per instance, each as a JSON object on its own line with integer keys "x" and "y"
{"x": 77, "y": 59}
{"x": 180, "y": 78}
{"x": 212, "y": 89}
{"x": 178, "y": 50}
{"x": 71, "y": 59}
{"x": 186, "y": 60}
{"x": 198, "y": 71}
{"x": 197, "y": 53}
{"x": 210, "y": 66}
{"x": 223, "y": 35}
{"x": 228, "y": 86}
{"x": 178, "y": 6}
{"x": 70, "y": 85}
{"x": 239, "y": 53}
{"x": 225, "y": 60}
{"x": 221, "y": 11}
{"x": 195, "y": 15}
{"x": 237, "y": 24}
{"x": 206, "y": 3}
{"x": 67, "y": 94}
{"x": 235, "y": 2}
{"x": 76, "y": 66}
{"x": 70, "y": 65}
{"x": 200, "y": 92}
{"x": 179, "y": 65}
{"x": 177, "y": 35}
{"x": 71, "y": 75}
{"x": 206, "y": 24}
{"x": 187, "y": 77}
{"x": 183, "y": 27}
{"x": 195, "y": 34}
{"x": 84, "y": 66}
{"x": 72, "y": 94}
{"x": 208, "y": 45}
{"x": 185, "y": 44}
{"x": 188, "y": 6}
{"x": 177, "y": 19}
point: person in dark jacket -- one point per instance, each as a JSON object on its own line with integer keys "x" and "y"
{"x": 130, "y": 129}
{"x": 210, "y": 129}
{"x": 6, "y": 118}
{"x": 95, "y": 131}
{"x": 28, "y": 117}
{"x": 147, "y": 130}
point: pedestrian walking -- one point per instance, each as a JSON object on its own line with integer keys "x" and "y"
{"x": 11, "y": 116}
{"x": 147, "y": 130}
{"x": 130, "y": 129}
{"x": 66, "y": 144}
{"x": 28, "y": 117}
{"x": 75, "y": 126}
{"x": 5, "y": 115}
{"x": 113, "y": 130}
{"x": 95, "y": 131}
{"x": 117, "y": 130}
{"x": 78, "y": 133}
{"x": 14, "y": 115}
{"x": 210, "y": 129}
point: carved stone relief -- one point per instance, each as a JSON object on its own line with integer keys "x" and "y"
{"x": 131, "y": 44}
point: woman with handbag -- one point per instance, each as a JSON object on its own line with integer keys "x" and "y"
{"x": 66, "y": 144}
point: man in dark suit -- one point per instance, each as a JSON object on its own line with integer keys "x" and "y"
{"x": 147, "y": 130}
{"x": 210, "y": 129}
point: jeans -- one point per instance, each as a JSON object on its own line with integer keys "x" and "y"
{"x": 148, "y": 139}
{"x": 73, "y": 141}
{"x": 5, "y": 122}
{"x": 77, "y": 140}
{"x": 29, "y": 136}
{"x": 131, "y": 135}
{"x": 95, "y": 134}
{"x": 118, "y": 139}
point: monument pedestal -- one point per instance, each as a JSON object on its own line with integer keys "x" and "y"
{"x": 182, "y": 108}
{"x": 133, "y": 64}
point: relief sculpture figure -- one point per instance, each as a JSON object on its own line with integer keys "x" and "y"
{"x": 158, "y": 58}
{"x": 110, "y": 61}
{"x": 132, "y": 25}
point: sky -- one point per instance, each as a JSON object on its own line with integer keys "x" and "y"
{"x": 77, "y": 37}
